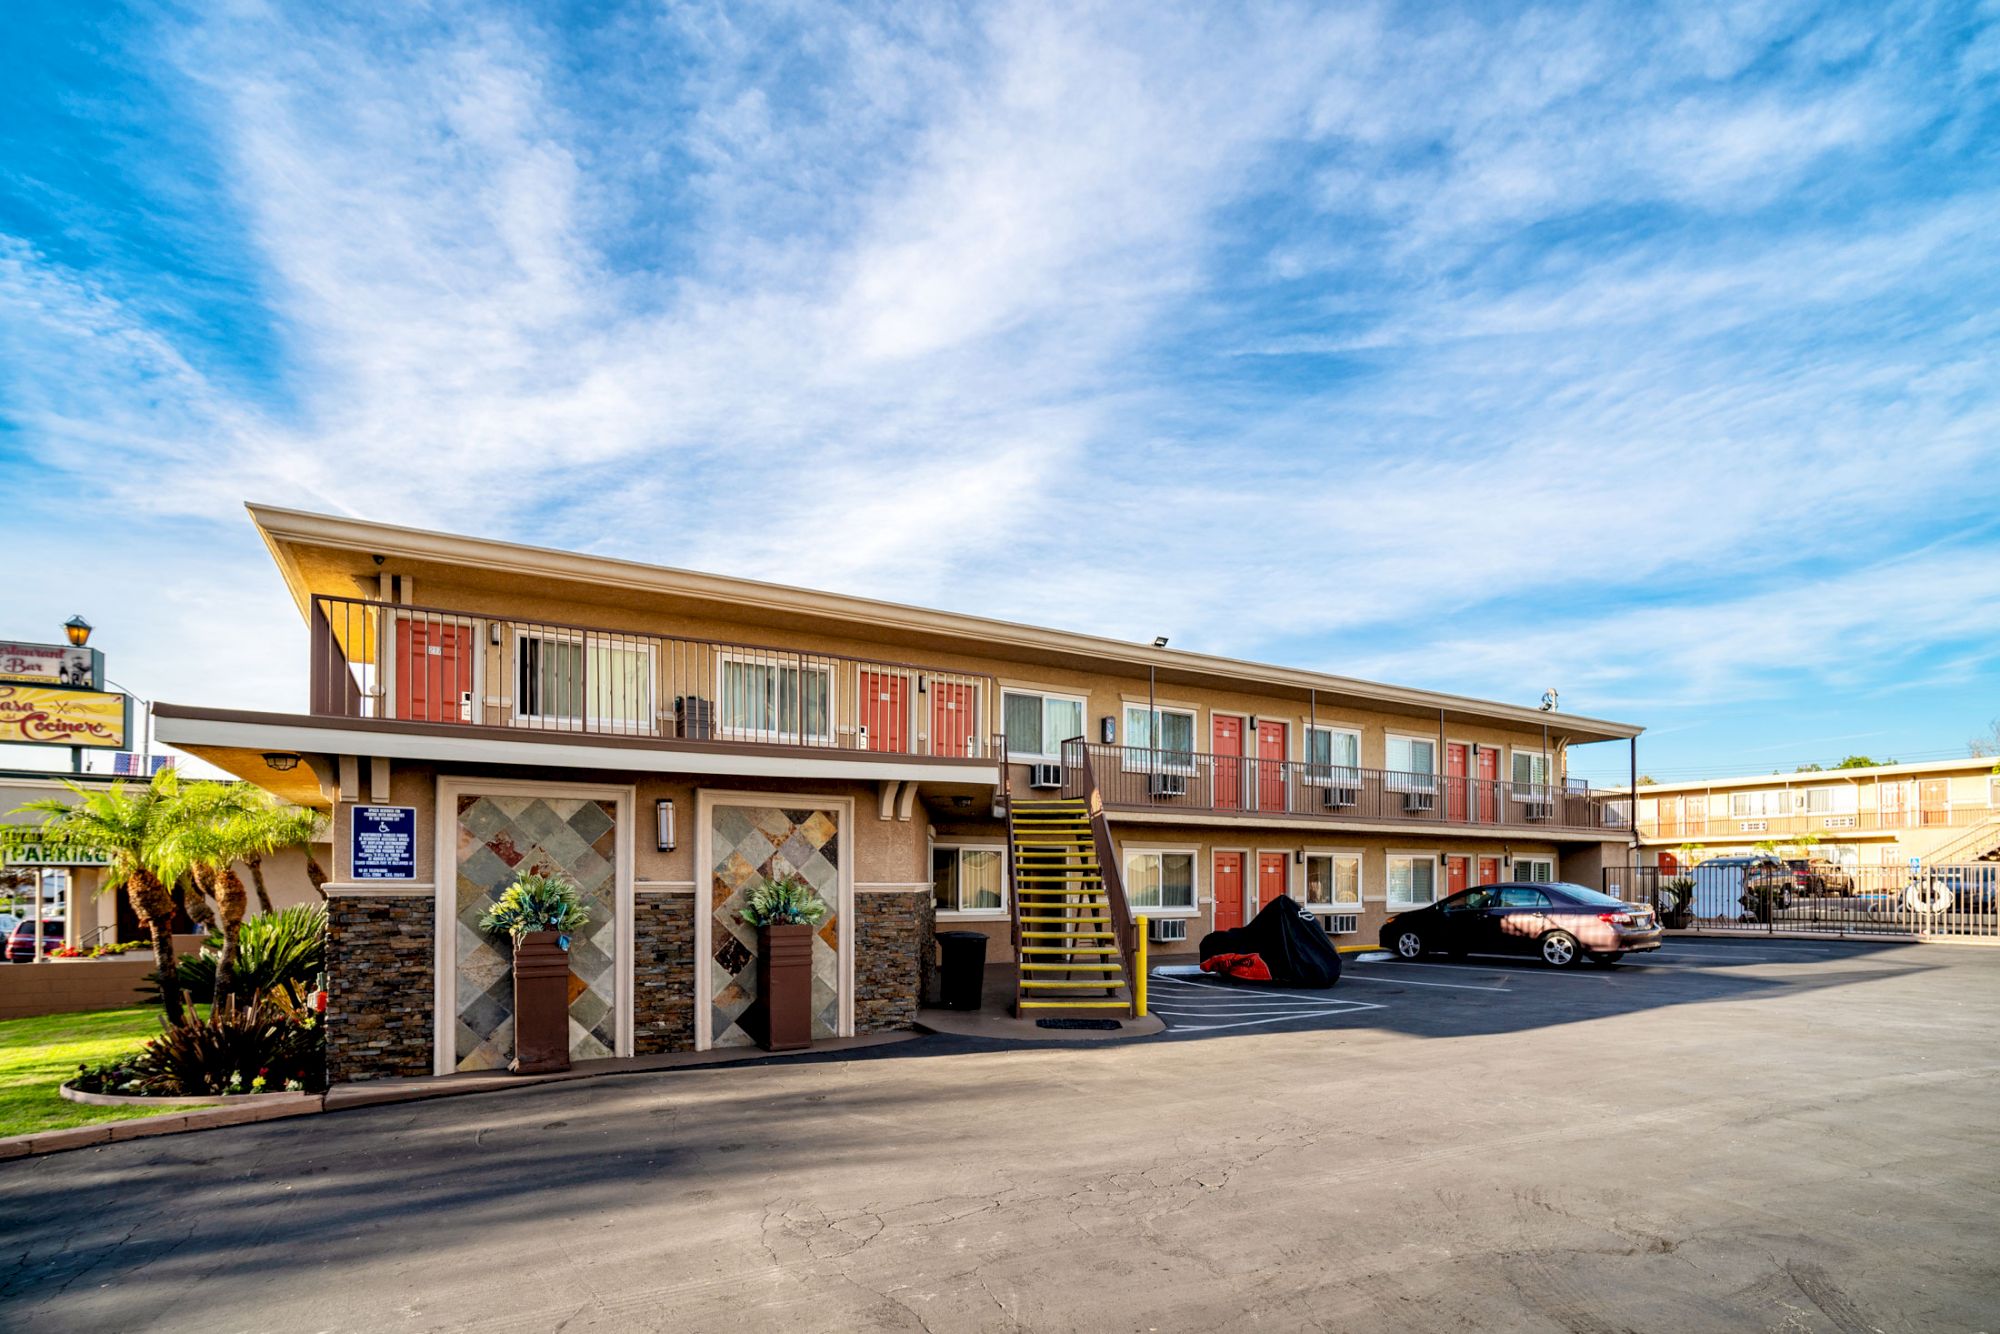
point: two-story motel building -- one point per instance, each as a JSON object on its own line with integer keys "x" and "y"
{"x": 663, "y": 737}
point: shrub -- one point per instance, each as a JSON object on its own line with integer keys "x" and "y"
{"x": 536, "y": 903}
{"x": 278, "y": 955}
{"x": 252, "y": 1049}
{"x": 786, "y": 901}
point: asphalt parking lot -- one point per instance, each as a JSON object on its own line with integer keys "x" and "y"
{"x": 1737, "y": 1134}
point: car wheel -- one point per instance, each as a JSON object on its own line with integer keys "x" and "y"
{"x": 1607, "y": 959}
{"x": 1560, "y": 950}
{"x": 1410, "y": 945}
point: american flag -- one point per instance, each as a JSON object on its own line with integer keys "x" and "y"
{"x": 145, "y": 766}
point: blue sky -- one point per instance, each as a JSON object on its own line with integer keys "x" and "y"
{"x": 1647, "y": 355}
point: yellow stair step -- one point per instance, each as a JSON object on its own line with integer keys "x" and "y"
{"x": 1027, "y": 1004}
{"x": 1072, "y": 968}
{"x": 1081, "y": 984}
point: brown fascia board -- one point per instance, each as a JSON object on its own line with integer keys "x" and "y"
{"x": 281, "y": 527}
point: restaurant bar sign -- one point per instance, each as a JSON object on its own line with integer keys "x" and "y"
{"x": 52, "y": 665}
{"x": 40, "y": 716}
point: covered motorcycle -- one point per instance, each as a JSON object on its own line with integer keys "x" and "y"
{"x": 1284, "y": 945}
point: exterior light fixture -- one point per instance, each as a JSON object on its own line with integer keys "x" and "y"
{"x": 1160, "y": 641}
{"x": 281, "y": 760}
{"x": 78, "y": 630}
{"x": 1107, "y": 728}
{"x": 1298, "y": 856}
{"x": 663, "y": 815}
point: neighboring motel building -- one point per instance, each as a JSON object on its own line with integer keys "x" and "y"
{"x": 661, "y": 736}
{"x": 1940, "y": 812}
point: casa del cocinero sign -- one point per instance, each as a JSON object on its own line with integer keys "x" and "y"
{"x": 39, "y": 716}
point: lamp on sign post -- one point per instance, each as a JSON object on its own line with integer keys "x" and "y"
{"x": 78, "y": 630}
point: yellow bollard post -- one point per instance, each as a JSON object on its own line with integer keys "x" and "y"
{"x": 1139, "y": 982}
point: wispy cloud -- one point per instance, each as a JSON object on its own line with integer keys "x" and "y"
{"x": 1508, "y": 341}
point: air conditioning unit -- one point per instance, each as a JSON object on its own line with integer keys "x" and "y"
{"x": 1420, "y": 803}
{"x": 1045, "y": 775}
{"x": 1341, "y": 923}
{"x": 694, "y": 717}
{"x": 1754, "y": 826}
{"x": 1840, "y": 822}
{"x": 465, "y": 706}
{"x": 1167, "y": 929}
{"x": 1342, "y": 798}
{"x": 1166, "y": 785}
{"x": 1540, "y": 810}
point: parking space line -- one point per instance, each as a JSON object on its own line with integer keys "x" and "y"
{"x": 1410, "y": 982}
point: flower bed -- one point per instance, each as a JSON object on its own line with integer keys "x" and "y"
{"x": 95, "y": 951}
{"x": 231, "y": 1053}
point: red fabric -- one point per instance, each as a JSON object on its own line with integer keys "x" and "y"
{"x": 1244, "y": 967}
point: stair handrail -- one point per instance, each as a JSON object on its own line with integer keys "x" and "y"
{"x": 1076, "y": 751}
{"x": 1975, "y": 838}
{"x": 1013, "y": 856}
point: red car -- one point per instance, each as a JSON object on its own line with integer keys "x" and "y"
{"x": 21, "y": 944}
{"x": 1563, "y": 924}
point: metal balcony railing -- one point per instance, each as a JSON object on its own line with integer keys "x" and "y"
{"x": 1142, "y": 778}
{"x": 444, "y": 667}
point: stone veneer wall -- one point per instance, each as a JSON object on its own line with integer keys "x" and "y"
{"x": 380, "y": 986}
{"x": 663, "y": 973}
{"x": 892, "y": 948}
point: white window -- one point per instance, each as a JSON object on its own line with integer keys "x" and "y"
{"x": 776, "y": 701}
{"x": 1333, "y": 880}
{"x": 1037, "y": 724}
{"x": 1166, "y": 737}
{"x": 1412, "y": 879}
{"x": 1756, "y": 805}
{"x": 1412, "y": 762}
{"x": 1535, "y": 870}
{"x": 1531, "y": 775}
{"x": 968, "y": 880}
{"x": 1333, "y": 756}
{"x": 573, "y": 679}
{"x": 1159, "y": 880}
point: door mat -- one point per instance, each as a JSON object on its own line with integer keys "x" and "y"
{"x": 1077, "y": 1023}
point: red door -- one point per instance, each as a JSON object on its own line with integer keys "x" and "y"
{"x": 1228, "y": 890}
{"x": 1489, "y": 870}
{"x": 954, "y": 718}
{"x": 1271, "y": 766}
{"x": 1455, "y": 869}
{"x": 1454, "y": 781}
{"x": 1485, "y": 784}
{"x": 433, "y": 670}
{"x": 1669, "y": 864}
{"x": 1226, "y": 742}
{"x": 885, "y": 711}
{"x": 1272, "y": 876}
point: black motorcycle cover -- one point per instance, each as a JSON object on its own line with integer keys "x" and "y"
{"x": 1289, "y": 939}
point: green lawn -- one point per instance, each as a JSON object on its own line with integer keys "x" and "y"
{"x": 36, "y": 1055}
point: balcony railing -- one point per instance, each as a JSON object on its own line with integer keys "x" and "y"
{"x": 441, "y": 667}
{"x": 1830, "y": 826}
{"x": 1140, "y": 778}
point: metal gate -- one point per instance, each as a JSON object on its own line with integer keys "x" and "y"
{"x": 1960, "y": 901}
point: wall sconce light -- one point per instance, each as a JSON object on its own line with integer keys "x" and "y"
{"x": 923, "y": 685}
{"x": 281, "y": 760}
{"x": 663, "y": 814}
{"x": 493, "y": 633}
{"x": 1107, "y": 729}
{"x": 1507, "y": 856}
{"x": 1298, "y": 856}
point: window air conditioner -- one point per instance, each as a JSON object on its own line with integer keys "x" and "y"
{"x": 1419, "y": 802}
{"x": 1540, "y": 810}
{"x": 1045, "y": 775}
{"x": 1341, "y": 798}
{"x": 1165, "y": 929}
{"x": 1341, "y": 923}
{"x": 1166, "y": 785}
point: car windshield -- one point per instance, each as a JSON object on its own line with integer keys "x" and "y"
{"x": 1588, "y": 897}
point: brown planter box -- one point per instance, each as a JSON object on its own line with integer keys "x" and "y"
{"x": 541, "y": 1005}
{"x": 785, "y": 984}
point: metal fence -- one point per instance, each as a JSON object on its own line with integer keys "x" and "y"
{"x": 1949, "y": 901}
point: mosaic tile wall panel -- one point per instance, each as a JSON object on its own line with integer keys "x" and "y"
{"x": 751, "y": 843}
{"x": 499, "y": 837}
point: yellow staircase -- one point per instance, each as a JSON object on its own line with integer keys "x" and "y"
{"x": 1066, "y": 942}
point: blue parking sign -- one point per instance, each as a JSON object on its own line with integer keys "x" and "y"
{"x": 384, "y": 843}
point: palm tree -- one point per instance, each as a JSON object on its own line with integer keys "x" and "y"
{"x": 279, "y": 827}
{"x": 209, "y": 828}
{"x": 124, "y": 824}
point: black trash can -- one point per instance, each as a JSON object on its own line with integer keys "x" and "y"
{"x": 962, "y": 974}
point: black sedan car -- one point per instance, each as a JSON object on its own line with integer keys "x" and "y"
{"x": 1561, "y": 923}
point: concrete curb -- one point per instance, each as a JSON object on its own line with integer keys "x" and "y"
{"x": 376, "y": 1093}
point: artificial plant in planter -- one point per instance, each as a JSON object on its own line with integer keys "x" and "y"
{"x": 786, "y": 911}
{"x": 540, "y": 912}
